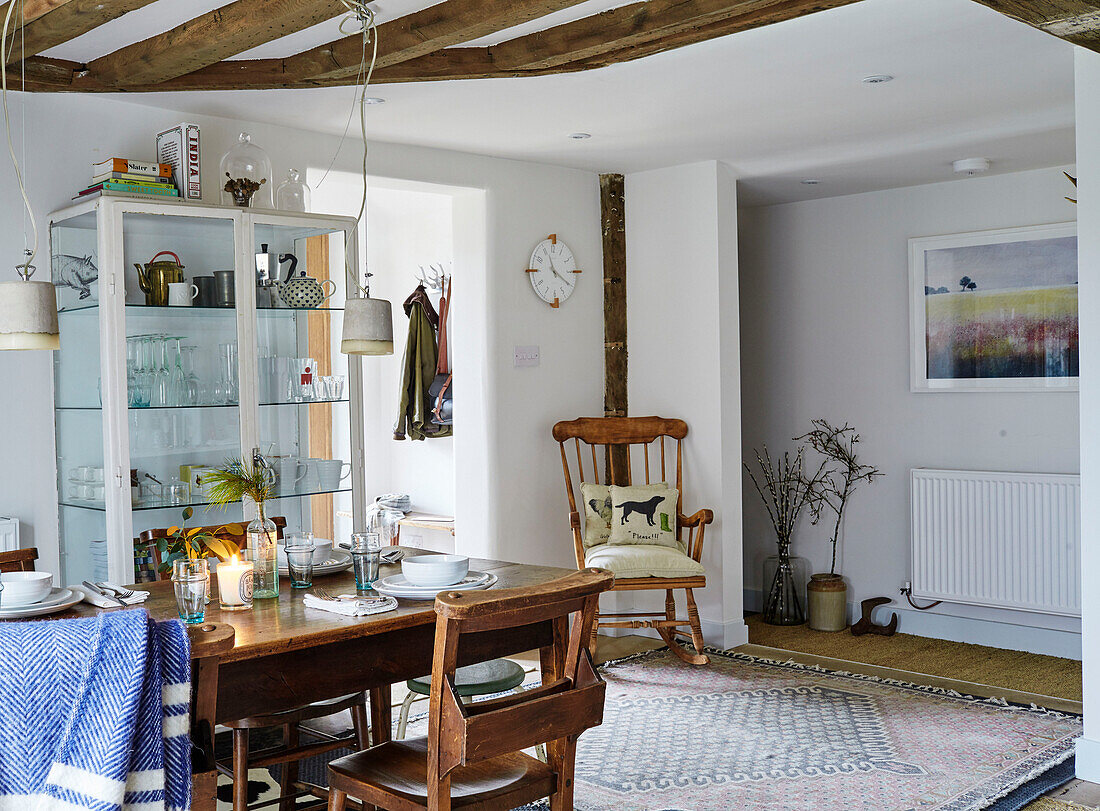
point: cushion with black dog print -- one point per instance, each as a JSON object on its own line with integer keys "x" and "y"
{"x": 597, "y": 510}
{"x": 643, "y": 516}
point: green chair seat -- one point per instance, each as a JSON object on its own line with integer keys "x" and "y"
{"x": 482, "y": 679}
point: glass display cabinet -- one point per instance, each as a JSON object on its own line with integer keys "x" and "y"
{"x": 177, "y": 354}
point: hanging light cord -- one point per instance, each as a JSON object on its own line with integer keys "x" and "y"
{"x": 26, "y": 269}
{"x": 363, "y": 16}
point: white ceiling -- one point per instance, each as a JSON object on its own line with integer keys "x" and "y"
{"x": 780, "y": 104}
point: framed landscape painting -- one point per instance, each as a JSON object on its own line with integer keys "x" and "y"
{"x": 995, "y": 310}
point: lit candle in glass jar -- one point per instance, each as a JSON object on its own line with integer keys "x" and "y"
{"x": 235, "y": 583}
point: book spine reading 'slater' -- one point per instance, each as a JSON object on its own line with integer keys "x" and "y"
{"x": 133, "y": 167}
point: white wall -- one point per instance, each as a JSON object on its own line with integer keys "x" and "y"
{"x": 406, "y": 228}
{"x": 517, "y": 505}
{"x": 825, "y": 333}
{"x": 681, "y": 256}
{"x": 1087, "y": 79}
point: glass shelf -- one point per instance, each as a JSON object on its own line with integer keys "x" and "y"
{"x": 99, "y": 506}
{"x": 133, "y": 409}
{"x": 196, "y": 310}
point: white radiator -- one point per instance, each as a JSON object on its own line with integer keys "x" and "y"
{"x": 1006, "y": 540}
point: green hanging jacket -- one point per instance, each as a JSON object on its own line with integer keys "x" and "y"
{"x": 414, "y": 415}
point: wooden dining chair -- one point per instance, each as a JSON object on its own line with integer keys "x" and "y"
{"x": 472, "y": 757}
{"x": 18, "y": 560}
{"x": 293, "y": 722}
{"x": 606, "y": 442}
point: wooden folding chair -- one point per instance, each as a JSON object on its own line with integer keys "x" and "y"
{"x": 472, "y": 757}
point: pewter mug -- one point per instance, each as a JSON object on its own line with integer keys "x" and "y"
{"x": 224, "y": 293}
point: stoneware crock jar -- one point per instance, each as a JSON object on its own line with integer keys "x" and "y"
{"x": 304, "y": 291}
{"x": 828, "y": 601}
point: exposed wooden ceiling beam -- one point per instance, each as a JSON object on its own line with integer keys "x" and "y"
{"x": 1074, "y": 20}
{"x": 210, "y": 38}
{"x": 431, "y": 29}
{"x": 52, "y": 22}
{"x": 554, "y": 54}
{"x": 641, "y": 23}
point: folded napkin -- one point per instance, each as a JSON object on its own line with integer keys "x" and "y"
{"x": 100, "y": 601}
{"x": 353, "y": 607}
{"x": 394, "y": 501}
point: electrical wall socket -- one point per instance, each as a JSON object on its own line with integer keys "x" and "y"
{"x": 526, "y": 356}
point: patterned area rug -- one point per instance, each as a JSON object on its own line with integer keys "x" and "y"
{"x": 751, "y": 733}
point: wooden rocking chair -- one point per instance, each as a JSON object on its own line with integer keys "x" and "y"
{"x": 616, "y": 435}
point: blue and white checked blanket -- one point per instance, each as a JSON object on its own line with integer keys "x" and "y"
{"x": 94, "y": 714}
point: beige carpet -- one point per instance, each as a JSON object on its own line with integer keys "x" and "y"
{"x": 1013, "y": 670}
{"x": 1047, "y": 804}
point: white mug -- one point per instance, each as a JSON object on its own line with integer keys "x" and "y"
{"x": 181, "y": 294}
{"x": 290, "y": 471}
{"x": 95, "y": 474}
{"x": 331, "y": 473}
{"x": 312, "y": 481}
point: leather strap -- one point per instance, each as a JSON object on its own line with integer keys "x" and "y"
{"x": 443, "y": 366}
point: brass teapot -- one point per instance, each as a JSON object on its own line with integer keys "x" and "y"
{"x": 155, "y": 277}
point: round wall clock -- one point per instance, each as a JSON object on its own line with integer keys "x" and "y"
{"x": 553, "y": 271}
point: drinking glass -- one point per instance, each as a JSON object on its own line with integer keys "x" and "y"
{"x": 189, "y": 579}
{"x": 366, "y": 556}
{"x": 177, "y": 380}
{"x": 133, "y": 362}
{"x": 298, "y": 537}
{"x": 334, "y": 387}
{"x": 299, "y": 563}
{"x": 159, "y": 395}
{"x": 192, "y": 384}
{"x": 228, "y": 382}
{"x": 143, "y": 373}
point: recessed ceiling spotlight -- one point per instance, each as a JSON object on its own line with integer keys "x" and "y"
{"x": 580, "y": 136}
{"x": 970, "y": 166}
{"x": 878, "y": 78}
{"x": 373, "y": 100}
{"x": 810, "y": 182}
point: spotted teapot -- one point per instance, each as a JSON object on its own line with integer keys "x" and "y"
{"x": 304, "y": 292}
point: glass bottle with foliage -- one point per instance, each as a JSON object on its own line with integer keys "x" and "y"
{"x": 238, "y": 480}
{"x": 786, "y": 490}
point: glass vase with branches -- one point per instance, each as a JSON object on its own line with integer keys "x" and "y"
{"x": 788, "y": 489}
{"x": 844, "y": 472}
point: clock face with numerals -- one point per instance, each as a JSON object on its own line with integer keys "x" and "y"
{"x": 553, "y": 271}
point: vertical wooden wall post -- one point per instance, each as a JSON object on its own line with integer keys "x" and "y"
{"x": 613, "y": 222}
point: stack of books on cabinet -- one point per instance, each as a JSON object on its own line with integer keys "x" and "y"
{"x": 130, "y": 178}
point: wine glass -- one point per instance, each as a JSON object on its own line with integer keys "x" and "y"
{"x": 193, "y": 386}
{"x": 144, "y": 373}
{"x": 161, "y": 376}
{"x": 177, "y": 380}
{"x": 229, "y": 372}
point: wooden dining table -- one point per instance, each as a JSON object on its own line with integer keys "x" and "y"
{"x": 281, "y": 654}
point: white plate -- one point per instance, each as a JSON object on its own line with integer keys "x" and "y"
{"x": 338, "y": 562}
{"x": 59, "y": 599}
{"x": 471, "y": 580}
{"x": 475, "y": 581}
